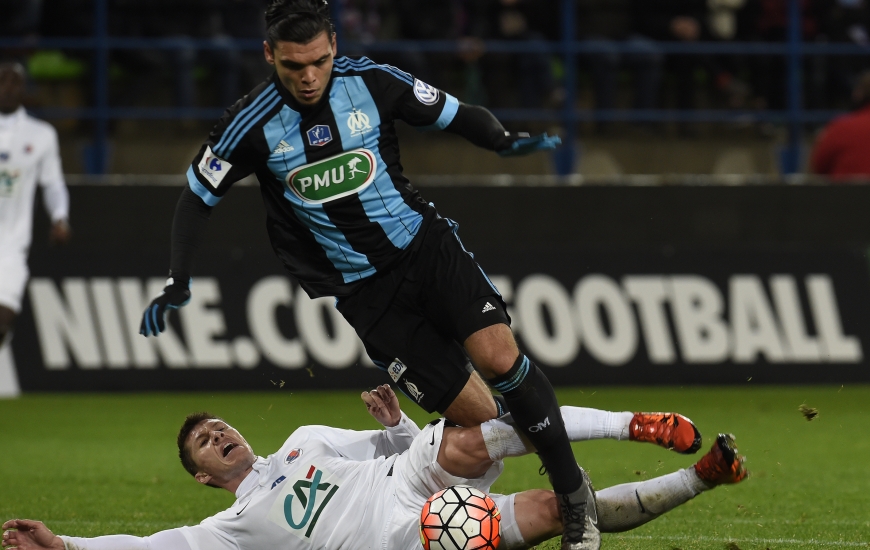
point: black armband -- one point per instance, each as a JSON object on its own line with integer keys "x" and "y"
{"x": 480, "y": 127}
{"x": 188, "y": 230}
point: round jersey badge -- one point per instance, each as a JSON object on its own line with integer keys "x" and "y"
{"x": 425, "y": 94}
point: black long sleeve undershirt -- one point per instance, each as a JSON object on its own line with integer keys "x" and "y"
{"x": 188, "y": 230}
{"x": 480, "y": 127}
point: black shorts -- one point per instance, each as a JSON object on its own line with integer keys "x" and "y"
{"x": 414, "y": 318}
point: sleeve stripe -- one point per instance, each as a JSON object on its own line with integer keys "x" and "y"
{"x": 448, "y": 113}
{"x": 197, "y": 187}
{"x": 244, "y": 115}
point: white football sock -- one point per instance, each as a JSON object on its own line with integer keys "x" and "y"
{"x": 8, "y": 376}
{"x": 582, "y": 424}
{"x": 503, "y": 440}
{"x": 626, "y": 506}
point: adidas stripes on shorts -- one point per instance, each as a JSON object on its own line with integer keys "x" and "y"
{"x": 414, "y": 319}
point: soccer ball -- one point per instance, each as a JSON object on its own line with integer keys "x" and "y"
{"x": 459, "y": 518}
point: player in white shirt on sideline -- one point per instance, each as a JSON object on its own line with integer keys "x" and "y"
{"x": 28, "y": 156}
{"x": 329, "y": 488}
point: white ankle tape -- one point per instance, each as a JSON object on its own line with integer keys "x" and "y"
{"x": 502, "y": 440}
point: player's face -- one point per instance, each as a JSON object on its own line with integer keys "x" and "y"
{"x": 219, "y": 451}
{"x": 304, "y": 69}
{"x": 11, "y": 89}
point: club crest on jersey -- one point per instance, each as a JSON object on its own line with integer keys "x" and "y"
{"x": 425, "y": 94}
{"x": 292, "y": 456}
{"x": 396, "y": 370}
{"x": 319, "y": 135}
{"x": 4, "y": 156}
{"x": 358, "y": 123}
{"x": 213, "y": 168}
{"x": 335, "y": 177}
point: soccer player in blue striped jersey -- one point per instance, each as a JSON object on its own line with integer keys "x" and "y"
{"x": 320, "y": 137}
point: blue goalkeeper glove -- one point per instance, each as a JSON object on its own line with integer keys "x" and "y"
{"x": 521, "y": 144}
{"x": 175, "y": 294}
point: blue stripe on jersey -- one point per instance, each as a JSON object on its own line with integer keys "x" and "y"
{"x": 197, "y": 187}
{"x": 254, "y": 119}
{"x": 365, "y": 64}
{"x": 284, "y": 126}
{"x": 269, "y": 93}
{"x": 382, "y": 202}
{"x": 448, "y": 113}
{"x": 352, "y": 264}
{"x": 455, "y": 227}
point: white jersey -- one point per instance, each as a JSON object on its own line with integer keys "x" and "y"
{"x": 324, "y": 488}
{"x": 327, "y": 489}
{"x": 28, "y": 156}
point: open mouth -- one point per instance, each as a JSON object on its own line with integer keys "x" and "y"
{"x": 229, "y": 447}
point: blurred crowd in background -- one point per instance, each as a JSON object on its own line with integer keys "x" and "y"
{"x": 646, "y": 78}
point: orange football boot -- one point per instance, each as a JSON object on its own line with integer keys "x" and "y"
{"x": 669, "y": 430}
{"x": 722, "y": 464}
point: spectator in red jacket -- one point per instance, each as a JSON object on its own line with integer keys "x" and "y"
{"x": 843, "y": 148}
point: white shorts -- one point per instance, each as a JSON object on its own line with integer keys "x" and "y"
{"x": 13, "y": 279}
{"x": 418, "y": 476}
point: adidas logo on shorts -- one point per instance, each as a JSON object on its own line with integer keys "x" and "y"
{"x": 488, "y": 307}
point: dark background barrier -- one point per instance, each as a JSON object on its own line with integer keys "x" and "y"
{"x": 606, "y": 285}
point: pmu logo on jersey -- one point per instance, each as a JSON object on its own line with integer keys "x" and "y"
{"x": 425, "y": 94}
{"x": 319, "y": 135}
{"x": 292, "y": 456}
{"x": 213, "y": 168}
{"x": 301, "y": 501}
{"x": 333, "y": 178}
{"x": 358, "y": 123}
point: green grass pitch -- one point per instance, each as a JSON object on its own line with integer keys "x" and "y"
{"x": 99, "y": 464}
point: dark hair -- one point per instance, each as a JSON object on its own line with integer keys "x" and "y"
{"x": 297, "y": 21}
{"x": 191, "y": 422}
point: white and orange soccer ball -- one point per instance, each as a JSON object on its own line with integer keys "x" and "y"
{"x": 459, "y": 518}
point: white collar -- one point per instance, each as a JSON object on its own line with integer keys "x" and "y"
{"x": 258, "y": 476}
{"x": 12, "y": 118}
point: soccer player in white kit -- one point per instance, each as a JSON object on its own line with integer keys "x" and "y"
{"x": 28, "y": 156}
{"x": 328, "y": 488}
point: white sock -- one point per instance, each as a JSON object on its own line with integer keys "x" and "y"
{"x": 626, "y": 506}
{"x": 503, "y": 440}
{"x": 8, "y": 376}
{"x": 583, "y": 424}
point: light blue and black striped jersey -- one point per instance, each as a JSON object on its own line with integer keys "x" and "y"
{"x": 339, "y": 209}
